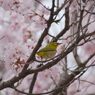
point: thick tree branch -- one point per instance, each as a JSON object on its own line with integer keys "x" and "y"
{"x": 33, "y": 83}
{"x": 44, "y": 34}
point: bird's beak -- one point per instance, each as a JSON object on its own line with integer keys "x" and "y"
{"x": 59, "y": 43}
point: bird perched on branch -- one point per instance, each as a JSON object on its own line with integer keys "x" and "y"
{"x": 48, "y": 51}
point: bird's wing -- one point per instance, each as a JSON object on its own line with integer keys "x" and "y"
{"x": 46, "y": 50}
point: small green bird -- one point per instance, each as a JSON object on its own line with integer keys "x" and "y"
{"x": 48, "y": 51}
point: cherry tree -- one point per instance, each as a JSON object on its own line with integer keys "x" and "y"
{"x": 28, "y": 25}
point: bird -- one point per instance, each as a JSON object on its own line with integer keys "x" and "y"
{"x": 48, "y": 51}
